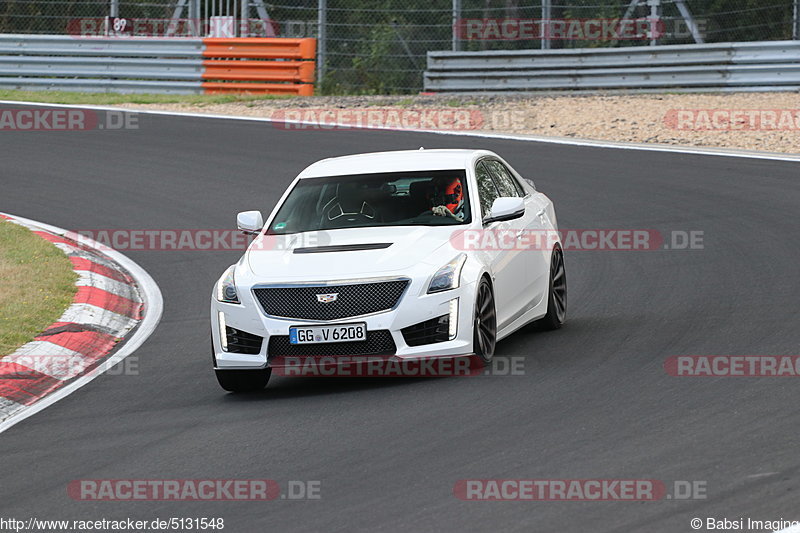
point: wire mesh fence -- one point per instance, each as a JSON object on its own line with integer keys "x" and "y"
{"x": 380, "y": 46}
{"x": 58, "y": 17}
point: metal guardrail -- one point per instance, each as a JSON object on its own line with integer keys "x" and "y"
{"x": 89, "y": 67}
{"x": 146, "y": 65}
{"x": 64, "y": 45}
{"x": 773, "y": 65}
{"x": 103, "y": 85}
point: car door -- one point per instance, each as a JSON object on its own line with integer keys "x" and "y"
{"x": 532, "y": 235}
{"x": 507, "y": 260}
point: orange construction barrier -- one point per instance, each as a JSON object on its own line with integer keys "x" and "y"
{"x": 240, "y": 65}
{"x": 304, "y": 89}
{"x": 246, "y": 70}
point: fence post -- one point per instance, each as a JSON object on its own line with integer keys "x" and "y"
{"x": 796, "y": 20}
{"x": 456, "y": 29}
{"x": 113, "y": 9}
{"x": 322, "y": 36}
{"x": 690, "y": 22}
{"x": 244, "y": 18}
{"x": 545, "y": 24}
{"x": 655, "y": 6}
{"x": 194, "y": 17}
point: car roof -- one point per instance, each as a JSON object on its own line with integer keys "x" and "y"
{"x": 396, "y": 161}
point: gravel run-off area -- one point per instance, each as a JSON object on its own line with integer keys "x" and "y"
{"x": 767, "y": 122}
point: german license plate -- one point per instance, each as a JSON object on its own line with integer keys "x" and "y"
{"x": 320, "y": 334}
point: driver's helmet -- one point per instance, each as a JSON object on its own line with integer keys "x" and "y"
{"x": 450, "y": 193}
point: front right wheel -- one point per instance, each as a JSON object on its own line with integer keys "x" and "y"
{"x": 557, "y": 294}
{"x": 243, "y": 380}
{"x": 484, "y": 327}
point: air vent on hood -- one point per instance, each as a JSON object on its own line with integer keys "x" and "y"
{"x": 342, "y": 248}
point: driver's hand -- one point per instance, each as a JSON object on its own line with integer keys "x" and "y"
{"x": 442, "y": 211}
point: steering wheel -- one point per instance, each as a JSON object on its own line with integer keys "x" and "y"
{"x": 430, "y": 212}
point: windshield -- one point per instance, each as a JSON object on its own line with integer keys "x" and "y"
{"x": 430, "y": 198}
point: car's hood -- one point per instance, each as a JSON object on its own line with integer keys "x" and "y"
{"x": 339, "y": 254}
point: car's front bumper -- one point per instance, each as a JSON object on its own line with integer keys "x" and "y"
{"x": 414, "y": 307}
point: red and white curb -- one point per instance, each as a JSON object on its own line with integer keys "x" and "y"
{"x": 116, "y": 300}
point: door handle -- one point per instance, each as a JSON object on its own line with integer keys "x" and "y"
{"x": 540, "y": 213}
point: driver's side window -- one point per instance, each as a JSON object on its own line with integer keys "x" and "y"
{"x": 486, "y": 188}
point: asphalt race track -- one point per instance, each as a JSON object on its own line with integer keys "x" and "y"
{"x": 594, "y": 400}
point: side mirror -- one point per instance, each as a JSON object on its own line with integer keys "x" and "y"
{"x": 505, "y": 209}
{"x": 250, "y": 221}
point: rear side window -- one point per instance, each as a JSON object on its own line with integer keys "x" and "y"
{"x": 486, "y": 188}
{"x": 506, "y": 182}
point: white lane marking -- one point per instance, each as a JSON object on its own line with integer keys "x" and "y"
{"x": 765, "y": 474}
{"x": 87, "y": 278}
{"x": 719, "y": 152}
{"x": 50, "y": 359}
{"x": 154, "y": 307}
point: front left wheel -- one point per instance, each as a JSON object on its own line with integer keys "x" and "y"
{"x": 243, "y": 380}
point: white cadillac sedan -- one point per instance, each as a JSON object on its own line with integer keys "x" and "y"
{"x": 405, "y": 255}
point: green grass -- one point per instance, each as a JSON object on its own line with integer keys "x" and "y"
{"x": 37, "y": 284}
{"x": 65, "y": 97}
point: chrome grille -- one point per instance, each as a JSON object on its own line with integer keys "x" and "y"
{"x": 356, "y": 299}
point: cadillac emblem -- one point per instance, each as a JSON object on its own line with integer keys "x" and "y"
{"x": 327, "y": 298}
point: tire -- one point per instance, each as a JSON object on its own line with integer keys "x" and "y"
{"x": 484, "y": 323}
{"x": 243, "y": 380}
{"x": 556, "y": 294}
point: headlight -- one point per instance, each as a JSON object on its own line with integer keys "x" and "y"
{"x": 449, "y": 276}
{"x": 226, "y": 288}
